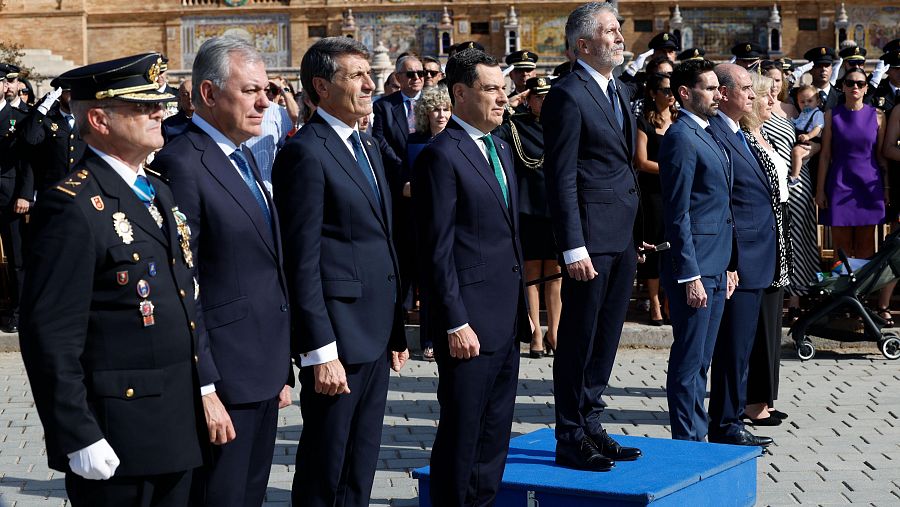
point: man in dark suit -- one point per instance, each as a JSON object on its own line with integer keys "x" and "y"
{"x": 395, "y": 119}
{"x": 176, "y": 124}
{"x": 108, "y": 314}
{"x": 823, "y": 58}
{"x": 16, "y": 194}
{"x": 695, "y": 175}
{"x": 593, "y": 195}
{"x": 335, "y": 208}
{"x": 754, "y": 227}
{"x": 246, "y": 371}
{"x": 53, "y": 143}
{"x": 466, "y": 208}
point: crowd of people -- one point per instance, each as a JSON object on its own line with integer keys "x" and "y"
{"x": 188, "y": 248}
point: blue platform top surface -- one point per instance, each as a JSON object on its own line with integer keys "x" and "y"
{"x": 667, "y": 466}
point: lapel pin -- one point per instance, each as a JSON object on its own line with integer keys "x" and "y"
{"x": 143, "y": 288}
{"x": 97, "y": 201}
{"x": 123, "y": 227}
{"x": 122, "y": 277}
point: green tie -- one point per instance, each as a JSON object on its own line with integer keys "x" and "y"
{"x": 498, "y": 169}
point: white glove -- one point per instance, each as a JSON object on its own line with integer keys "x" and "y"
{"x": 733, "y": 59}
{"x": 799, "y": 71}
{"x": 877, "y": 74}
{"x": 638, "y": 63}
{"x": 836, "y": 67}
{"x": 97, "y": 461}
{"x": 49, "y": 100}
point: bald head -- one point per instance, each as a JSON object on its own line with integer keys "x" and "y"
{"x": 737, "y": 90}
{"x": 184, "y": 97}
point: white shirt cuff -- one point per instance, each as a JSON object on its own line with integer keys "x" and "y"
{"x": 455, "y": 329}
{"x": 320, "y": 355}
{"x": 207, "y": 389}
{"x": 691, "y": 279}
{"x": 575, "y": 255}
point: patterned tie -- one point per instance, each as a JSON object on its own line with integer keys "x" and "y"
{"x": 614, "y": 98}
{"x": 411, "y": 115}
{"x": 721, "y": 146}
{"x": 498, "y": 168}
{"x": 363, "y": 164}
{"x": 244, "y": 168}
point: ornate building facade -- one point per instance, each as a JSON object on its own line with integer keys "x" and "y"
{"x": 84, "y": 31}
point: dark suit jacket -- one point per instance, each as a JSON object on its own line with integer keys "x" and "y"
{"x": 390, "y": 124}
{"x": 340, "y": 261}
{"x": 52, "y": 149}
{"x": 695, "y": 176}
{"x": 243, "y": 291}
{"x": 468, "y": 242}
{"x": 751, "y": 206}
{"x": 175, "y": 125}
{"x": 95, "y": 370}
{"x": 592, "y": 188}
{"x": 13, "y": 164}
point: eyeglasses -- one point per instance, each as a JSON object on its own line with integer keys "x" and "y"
{"x": 139, "y": 107}
{"x": 23, "y": 92}
{"x": 854, "y": 84}
{"x": 411, "y": 74}
{"x": 432, "y": 73}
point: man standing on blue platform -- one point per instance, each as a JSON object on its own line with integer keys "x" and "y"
{"x": 756, "y": 242}
{"x": 695, "y": 176}
{"x": 246, "y": 371}
{"x": 466, "y": 204}
{"x": 592, "y": 190}
{"x": 331, "y": 193}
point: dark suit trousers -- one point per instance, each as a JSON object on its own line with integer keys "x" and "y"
{"x": 728, "y": 386}
{"x": 591, "y": 324}
{"x": 12, "y": 233}
{"x": 167, "y": 490}
{"x": 765, "y": 358}
{"x": 341, "y": 437}
{"x": 694, "y": 331}
{"x": 239, "y": 472}
{"x": 477, "y": 398}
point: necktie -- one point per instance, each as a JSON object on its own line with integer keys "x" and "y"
{"x": 614, "y": 98}
{"x": 823, "y": 97}
{"x": 363, "y": 164}
{"x": 244, "y": 168}
{"x": 71, "y": 120}
{"x": 743, "y": 139}
{"x": 498, "y": 168}
{"x": 411, "y": 115}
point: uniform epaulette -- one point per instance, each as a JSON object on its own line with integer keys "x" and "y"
{"x": 155, "y": 173}
{"x": 71, "y": 185}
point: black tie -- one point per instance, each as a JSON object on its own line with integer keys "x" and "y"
{"x": 709, "y": 130}
{"x": 823, "y": 97}
{"x": 614, "y": 99}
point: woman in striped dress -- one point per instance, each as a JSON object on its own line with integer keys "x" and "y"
{"x": 801, "y": 206}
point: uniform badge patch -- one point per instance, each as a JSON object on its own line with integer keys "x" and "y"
{"x": 97, "y": 201}
{"x": 54, "y": 127}
{"x": 122, "y": 277}
{"x": 143, "y": 288}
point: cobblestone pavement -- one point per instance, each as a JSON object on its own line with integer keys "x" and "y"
{"x": 840, "y": 445}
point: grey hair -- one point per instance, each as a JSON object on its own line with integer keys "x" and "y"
{"x": 213, "y": 61}
{"x": 320, "y": 60}
{"x": 726, "y": 73}
{"x": 403, "y": 59}
{"x": 583, "y": 23}
{"x": 79, "y": 110}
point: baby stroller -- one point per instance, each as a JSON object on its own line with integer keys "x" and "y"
{"x": 846, "y": 294}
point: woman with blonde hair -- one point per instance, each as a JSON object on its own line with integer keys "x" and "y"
{"x": 765, "y": 357}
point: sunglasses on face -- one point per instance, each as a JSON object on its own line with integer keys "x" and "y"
{"x": 23, "y": 92}
{"x": 431, "y": 73}
{"x": 665, "y": 91}
{"x": 854, "y": 84}
{"x": 412, "y": 74}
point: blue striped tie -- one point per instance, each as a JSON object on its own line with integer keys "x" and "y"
{"x": 244, "y": 168}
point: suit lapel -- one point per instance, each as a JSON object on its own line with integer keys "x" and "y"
{"x": 222, "y": 170}
{"x": 129, "y": 204}
{"x": 473, "y": 154}
{"x": 378, "y": 167}
{"x": 335, "y": 145}
{"x": 743, "y": 151}
{"x": 400, "y": 116}
{"x": 602, "y": 102}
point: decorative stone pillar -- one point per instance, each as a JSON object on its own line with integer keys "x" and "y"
{"x": 348, "y": 27}
{"x": 511, "y": 31}
{"x": 841, "y": 23}
{"x": 774, "y": 26}
{"x": 381, "y": 67}
{"x": 676, "y": 23}
{"x": 445, "y": 33}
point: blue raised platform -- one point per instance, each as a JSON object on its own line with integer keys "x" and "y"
{"x": 671, "y": 473}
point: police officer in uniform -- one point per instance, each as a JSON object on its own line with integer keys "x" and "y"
{"x": 691, "y": 54}
{"x": 822, "y": 58}
{"x": 108, "y": 311}
{"x": 746, "y": 54}
{"x": 887, "y": 94}
{"x": 14, "y": 197}
{"x": 53, "y": 143}
{"x": 524, "y": 64}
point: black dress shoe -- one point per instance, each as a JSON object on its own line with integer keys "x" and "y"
{"x": 535, "y": 354}
{"x": 762, "y": 421}
{"x": 583, "y": 456}
{"x": 655, "y": 322}
{"x": 12, "y": 326}
{"x": 612, "y": 450}
{"x": 742, "y": 438}
{"x": 777, "y": 414}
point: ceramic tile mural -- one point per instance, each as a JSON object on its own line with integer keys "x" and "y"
{"x": 716, "y": 30}
{"x": 872, "y": 27}
{"x": 269, "y": 34}
{"x": 400, "y": 31}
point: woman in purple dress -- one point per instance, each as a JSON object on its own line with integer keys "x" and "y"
{"x": 852, "y": 172}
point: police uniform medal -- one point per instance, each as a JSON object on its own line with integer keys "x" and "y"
{"x": 146, "y": 308}
{"x": 123, "y": 227}
{"x": 184, "y": 236}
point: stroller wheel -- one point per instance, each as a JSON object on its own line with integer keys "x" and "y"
{"x": 890, "y": 346}
{"x": 806, "y": 351}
